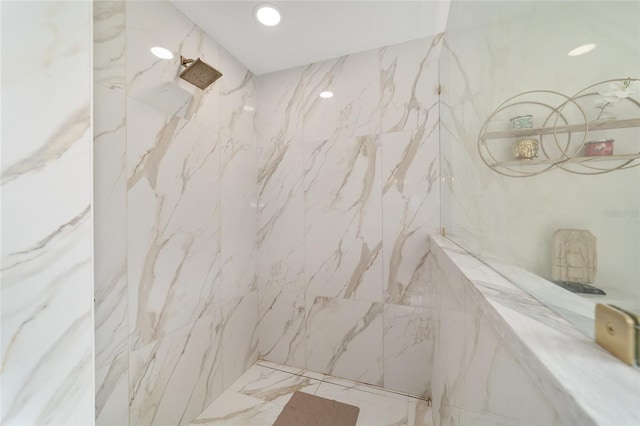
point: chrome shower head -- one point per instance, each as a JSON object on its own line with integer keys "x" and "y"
{"x": 199, "y": 73}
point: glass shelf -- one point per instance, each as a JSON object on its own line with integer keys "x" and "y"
{"x": 548, "y": 161}
{"x": 593, "y": 126}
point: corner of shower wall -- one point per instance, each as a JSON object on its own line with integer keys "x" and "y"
{"x": 348, "y": 193}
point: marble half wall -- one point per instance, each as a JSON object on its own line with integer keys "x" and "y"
{"x": 176, "y": 168}
{"x": 477, "y": 378}
{"x": 47, "y": 283}
{"x": 505, "y": 358}
{"x": 348, "y": 191}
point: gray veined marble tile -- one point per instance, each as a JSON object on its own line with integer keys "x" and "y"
{"x": 240, "y": 336}
{"x": 282, "y": 327}
{"x": 173, "y": 221}
{"x": 410, "y": 206}
{"x": 233, "y": 408}
{"x": 109, "y": 43}
{"x": 47, "y": 326}
{"x": 237, "y": 96}
{"x": 173, "y": 379}
{"x": 112, "y": 392}
{"x": 409, "y": 83}
{"x": 344, "y": 338}
{"x": 279, "y": 113}
{"x": 238, "y": 222}
{"x": 354, "y": 108}
{"x": 274, "y": 386}
{"x": 110, "y": 225}
{"x": 280, "y": 219}
{"x": 409, "y": 337}
{"x": 343, "y": 219}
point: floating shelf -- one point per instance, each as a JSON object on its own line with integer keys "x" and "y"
{"x": 593, "y": 126}
{"x": 493, "y": 146}
{"x": 548, "y": 161}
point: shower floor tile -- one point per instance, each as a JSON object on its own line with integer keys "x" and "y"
{"x": 260, "y": 394}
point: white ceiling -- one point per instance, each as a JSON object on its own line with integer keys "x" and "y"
{"x": 313, "y": 30}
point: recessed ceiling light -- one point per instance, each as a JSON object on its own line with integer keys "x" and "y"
{"x": 326, "y": 94}
{"x": 162, "y": 53}
{"x": 581, "y": 50}
{"x": 249, "y": 108}
{"x": 267, "y": 14}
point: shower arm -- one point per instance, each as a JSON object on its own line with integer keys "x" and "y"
{"x": 184, "y": 61}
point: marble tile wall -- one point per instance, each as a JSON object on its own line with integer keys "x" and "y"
{"x": 110, "y": 214}
{"x": 176, "y": 300}
{"x": 477, "y": 378}
{"x": 47, "y": 284}
{"x": 348, "y": 190}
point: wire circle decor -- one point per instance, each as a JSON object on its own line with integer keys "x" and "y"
{"x": 555, "y": 154}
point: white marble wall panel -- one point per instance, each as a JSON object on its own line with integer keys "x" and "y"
{"x": 237, "y": 98}
{"x": 47, "y": 286}
{"x": 240, "y": 336}
{"x": 109, "y": 44}
{"x": 411, "y": 201}
{"x": 112, "y": 392}
{"x": 343, "y": 218}
{"x": 239, "y": 220}
{"x": 155, "y": 81}
{"x": 409, "y": 83}
{"x": 280, "y": 101}
{"x": 344, "y": 338}
{"x": 354, "y": 109}
{"x": 282, "y": 327}
{"x": 173, "y": 379}
{"x": 280, "y": 235}
{"x": 408, "y": 349}
{"x": 280, "y": 182}
{"x": 110, "y": 225}
{"x": 110, "y": 214}
{"x": 173, "y": 222}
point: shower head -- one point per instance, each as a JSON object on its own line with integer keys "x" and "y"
{"x": 199, "y": 73}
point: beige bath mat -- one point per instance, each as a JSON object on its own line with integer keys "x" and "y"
{"x": 304, "y": 409}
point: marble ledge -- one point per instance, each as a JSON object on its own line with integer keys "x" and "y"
{"x": 585, "y": 383}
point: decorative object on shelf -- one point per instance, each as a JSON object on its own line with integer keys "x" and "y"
{"x": 599, "y": 148}
{"x": 615, "y": 93}
{"x": 573, "y": 256}
{"x": 522, "y": 122}
{"x": 558, "y": 148}
{"x": 525, "y": 149}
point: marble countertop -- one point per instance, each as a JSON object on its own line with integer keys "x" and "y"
{"x": 587, "y": 383}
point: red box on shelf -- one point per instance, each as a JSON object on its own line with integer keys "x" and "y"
{"x": 599, "y": 148}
